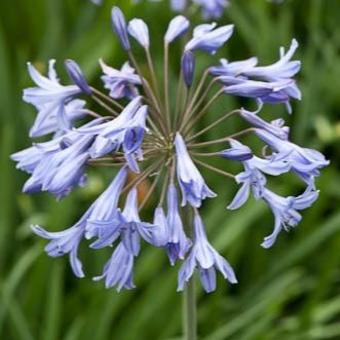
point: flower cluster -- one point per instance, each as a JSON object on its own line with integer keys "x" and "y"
{"x": 135, "y": 131}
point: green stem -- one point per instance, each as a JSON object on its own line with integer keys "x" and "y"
{"x": 189, "y": 311}
{"x": 189, "y": 294}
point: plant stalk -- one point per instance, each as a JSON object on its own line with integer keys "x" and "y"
{"x": 189, "y": 294}
{"x": 189, "y": 311}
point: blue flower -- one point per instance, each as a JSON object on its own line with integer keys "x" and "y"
{"x": 192, "y": 184}
{"x": 233, "y": 69}
{"x": 120, "y": 28}
{"x": 238, "y": 152}
{"x": 188, "y": 67}
{"x": 50, "y": 97}
{"x": 276, "y": 127}
{"x": 161, "y": 233}
{"x": 206, "y": 259}
{"x": 177, "y": 244}
{"x": 132, "y": 229}
{"x": 121, "y": 83}
{"x": 305, "y": 162}
{"x": 28, "y": 159}
{"x": 143, "y": 134}
{"x": 139, "y": 30}
{"x": 118, "y": 271}
{"x": 285, "y": 210}
{"x": 111, "y": 135}
{"x": 59, "y": 171}
{"x": 67, "y": 241}
{"x": 177, "y": 27}
{"x": 46, "y": 121}
{"x": 212, "y": 8}
{"x": 253, "y": 178}
{"x": 105, "y": 208}
{"x": 268, "y": 84}
{"x": 77, "y": 76}
{"x": 282, "y": 69}
{"x": 126, "y": 225}
{"x": 133, "y": 138}
{"x": 208, "y": 38}
{"x": 265, "y": 92}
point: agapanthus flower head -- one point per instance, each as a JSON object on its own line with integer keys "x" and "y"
{"x": 147, "y": 133}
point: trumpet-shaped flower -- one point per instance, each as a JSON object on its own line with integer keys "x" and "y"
{"x": 285, "y": 210}
{"x": 192, "y": 184}
{"x": 121, "y": 83}
{"x": 50, "y": 97}
{"x": 206, "y": 260}
{"x": 177, "y": 243}
{"x": 305, "y": 162}
{"x": 67, "y": 241}
{"x": 118, "y": 271}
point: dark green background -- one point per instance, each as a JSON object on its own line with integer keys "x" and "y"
{"x": 288, "y": 292}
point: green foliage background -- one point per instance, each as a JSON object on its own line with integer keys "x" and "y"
{"x": 289, "y": 292}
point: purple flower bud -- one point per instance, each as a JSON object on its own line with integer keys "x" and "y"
{"x": 77, "y": 76}
{"x": 208, "y": 38}
{"x": 139, "y": 30}
{"x": 238, "y": 152}
{"x": 119, "y": 27}
{"x": 177, "y": 27}
{"x": 277, "y": 130}
{"x": 188, "y": 67}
